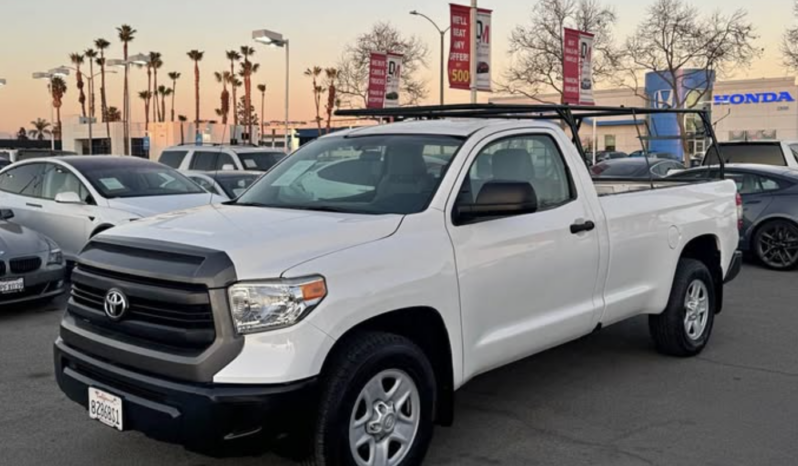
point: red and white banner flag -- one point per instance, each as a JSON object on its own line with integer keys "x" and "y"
{"x": 577, "y": 68}
{"x": 385, "y": 80}
{"x": 460, "y": 55}
{"x": 378, "y": 80}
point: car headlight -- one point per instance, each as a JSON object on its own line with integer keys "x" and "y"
{"x": 272, "y": 304}
{"x": 55, "y": 256}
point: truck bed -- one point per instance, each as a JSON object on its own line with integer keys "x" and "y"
{"x": 607, "y": 187}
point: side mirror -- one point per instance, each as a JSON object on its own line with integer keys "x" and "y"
{"x": 68, "y": 197}
{"x": 228, "y": 167}
{"x": 499, "y": 199}
{"x": 6, "y": 214}
{"x": 674, "y": 171}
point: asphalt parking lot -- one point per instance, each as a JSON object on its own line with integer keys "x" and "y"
{"x": 607, "y": 399}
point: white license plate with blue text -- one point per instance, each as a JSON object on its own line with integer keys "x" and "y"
{"x": 105, "y": 408}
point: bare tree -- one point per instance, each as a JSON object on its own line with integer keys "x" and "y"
{"x": 789, "y": 45}
{"x": 353, "y": 68}
{"x": 687, "y": 50}
{"x": 536, "y": 48}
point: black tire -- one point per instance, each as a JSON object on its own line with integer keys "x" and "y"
{"x": 365, "y": 356}
{"x": 776, "y": 245}
{"x": 668, "y": 330}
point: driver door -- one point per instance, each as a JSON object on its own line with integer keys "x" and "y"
{"x": 527, "y": 282}
{"x": 68, "y": 224}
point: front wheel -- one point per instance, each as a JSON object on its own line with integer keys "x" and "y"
{"x": 377, "y": 404}
{"x": 776, "y": 245}
{"x": 683, "y": 329}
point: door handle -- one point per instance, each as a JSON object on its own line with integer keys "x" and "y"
{"x": 577, "y": 228}
{"x": 38, "y": 206}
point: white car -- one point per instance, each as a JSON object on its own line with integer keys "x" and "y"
{"x": 220, "y": 158}
{"x": 366, "y": 310}
{"x": 72, "y": 198}
{"x": 229, "y": 185}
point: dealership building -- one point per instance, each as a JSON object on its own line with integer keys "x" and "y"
{"x": 741, "y": 110}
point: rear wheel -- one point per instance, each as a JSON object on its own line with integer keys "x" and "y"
{"x": 377, "y": 404}
{"x": 683, "y": 329}
{"x": 776, "y": 245}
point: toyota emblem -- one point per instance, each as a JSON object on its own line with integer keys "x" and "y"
{"x": 116, "y": 304}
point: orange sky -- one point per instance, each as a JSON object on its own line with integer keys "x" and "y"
{"x": 37, "y": 36}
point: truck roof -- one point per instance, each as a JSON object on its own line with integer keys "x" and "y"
{"x": 449, "y": 127}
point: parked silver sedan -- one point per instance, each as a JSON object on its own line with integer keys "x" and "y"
{"x": 31, "y": 264}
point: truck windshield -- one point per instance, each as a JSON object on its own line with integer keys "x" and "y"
{"x": 386, "y": 174}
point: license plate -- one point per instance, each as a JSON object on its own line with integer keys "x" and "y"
{"x": 12, "y": 286}
{"x": 105, "y": 408}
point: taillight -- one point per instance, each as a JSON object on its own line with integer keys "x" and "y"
{"x": 739, "y": 212}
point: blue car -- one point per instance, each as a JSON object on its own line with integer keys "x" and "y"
{"x": 770, "y": 211}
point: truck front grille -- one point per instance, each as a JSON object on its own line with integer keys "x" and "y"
{"x": 164, "y": 313}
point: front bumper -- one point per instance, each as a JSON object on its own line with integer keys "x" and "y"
{"x": 734, "y": 267}
{"x": 193, "y": 414}
{"x": 47, "y": 282}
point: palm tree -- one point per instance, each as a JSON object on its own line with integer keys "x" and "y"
{"x": 332, "y": 97}
{"x": 126, "y": 36}
{"x": 174, "y": 76}
{"x": 41, "y": 128}
{"x": 164, "y": 91}
{"x": 58, "y": 88}
{"x": 196, "y": 57}
{"x": 182, "y": 119}
{"x": 247, "y": 69}
{"x": 234, "y": 57}
{"x": 262, "y": 89}
{"x": 154, "y": 63}
{"x": 223, "y": 77}
{"x": 314, "y": 74}
{"x": 114, "y": 114}
{"x": 101, "y": 45}
{"x": 91, "y": 55}
{"x": 77, "y": 60}
{"x": 146, "y": 96}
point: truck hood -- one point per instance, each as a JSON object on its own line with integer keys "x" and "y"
{"x": 154, "y": 205}
{"x": 16, "y": 240}
{"x": 263, "y": 242}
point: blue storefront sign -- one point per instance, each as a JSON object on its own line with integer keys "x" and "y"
{"x": 753, "y": 98}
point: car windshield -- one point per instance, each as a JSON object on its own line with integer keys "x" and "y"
{"x": 141, "y": 180}
{"x": 262, "y": 161}
{"x": 383, "y": 174}
{"x": 619, "y": 170}
{"x": 234, "y": 186}
{"x": 763, "y": 154}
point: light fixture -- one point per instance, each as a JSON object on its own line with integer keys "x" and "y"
{"x": 264, "y": 36}
{"x": 2, "y": 82}
{"x": 139, "y": 59}
{"x": 61, "y": 72}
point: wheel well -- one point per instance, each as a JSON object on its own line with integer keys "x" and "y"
{"x": 425, "y": 327}
{"x": 705, "y": 249}
{"x": 762, "y": 224}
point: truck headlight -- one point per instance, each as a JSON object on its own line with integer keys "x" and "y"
{"x": 271, "y": 304}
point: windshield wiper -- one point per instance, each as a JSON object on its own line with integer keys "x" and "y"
{"x": 247, "y": 204}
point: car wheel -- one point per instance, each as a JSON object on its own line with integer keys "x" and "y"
{"x": 376, "y": 406}
{"x": 776, "y": 245}
{"x": 683, "y": 329}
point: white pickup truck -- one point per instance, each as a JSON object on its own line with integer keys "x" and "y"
{"x": 375, "y": 271}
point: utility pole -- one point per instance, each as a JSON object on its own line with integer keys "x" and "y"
{"x": 473, "y": 55}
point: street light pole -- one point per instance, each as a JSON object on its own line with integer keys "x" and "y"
{"x": 137, "y": 59}
{"x": 275, "y": 39}
{"x": 473, "y": 58}
{"x": 287, "y": 85}
{"x": 442, "y": 32}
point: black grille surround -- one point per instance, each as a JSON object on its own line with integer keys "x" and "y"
{"x": 2, "y": 268}
{"x": 25, "y": 265}
{"x": 176, "y": 318}
{"x": 178, "y": 321}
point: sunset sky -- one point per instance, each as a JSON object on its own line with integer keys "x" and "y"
{"x": 37, "y": 36}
